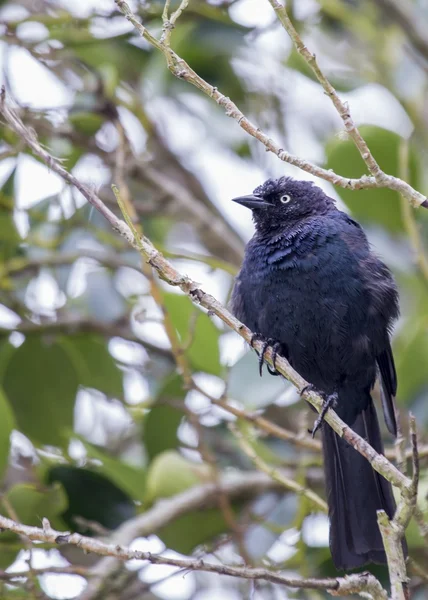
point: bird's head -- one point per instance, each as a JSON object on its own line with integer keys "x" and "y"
{"x": 279, "y": 202}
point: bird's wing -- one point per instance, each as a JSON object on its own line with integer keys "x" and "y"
{"x": 388, "y": 387}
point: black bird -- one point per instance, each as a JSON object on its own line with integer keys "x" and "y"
{"x": 311, "y": 286}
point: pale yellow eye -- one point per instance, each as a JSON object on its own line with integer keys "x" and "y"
{"x": 285, "y": 199}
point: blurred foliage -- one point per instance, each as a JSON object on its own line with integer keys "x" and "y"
{"x": 104, "y": 426}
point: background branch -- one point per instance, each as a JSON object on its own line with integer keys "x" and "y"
{"x": 181, "y": 69}
{"x": 341, "y": 586}
{"x": 170, "y": 275}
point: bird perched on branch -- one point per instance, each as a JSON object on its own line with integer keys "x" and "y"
{"x": 311, "y": 287}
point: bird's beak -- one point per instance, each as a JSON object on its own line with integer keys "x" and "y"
{"x": 251, "y": 201}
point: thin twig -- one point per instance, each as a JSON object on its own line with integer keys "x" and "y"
{"x": 393, "y": 530}
{"x": 340, "y": 585}
{"x": 169, "y": 274}
{"x": 342, "y": 108}
{"x": 276, "y": 474}
{"x": 182, "y": 70}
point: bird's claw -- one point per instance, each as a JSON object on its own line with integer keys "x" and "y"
{"x": 266, "y": 343}
{"x": 329, "y": 401}
{"x": 276, "y": 346}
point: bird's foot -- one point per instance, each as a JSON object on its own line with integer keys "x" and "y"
{"x": 276, "y": 346}
{"x": 329, "y": 401}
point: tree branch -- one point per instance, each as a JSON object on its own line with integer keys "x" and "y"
{"x": 74, "y": 325}
{"x": 393, "y": 530}
{"x": 182, "y": 70}
{"x": 340, "y": 586}
{"x": 170, "y": 275}
{"x": 381, "y": 178}
{"x": 277, "y": 475}
{"x": 166, "y": 511}
{"x": 22, "y": 264}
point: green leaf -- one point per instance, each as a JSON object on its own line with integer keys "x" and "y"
{"x": 132, "y": 480}
{"x": 170, "y": 473}
{"x": 10, "y": 547}
{"x": 380, "y": 206}
{"x": 41, "y": 383}
{"x": 114, "y": 51}
{"x": 209, "y": 46}
{"x": 6, "y": 353}
{"x": 411, "y": 359}
{"x": 30, "y": 504}
{"x": 92, "y": 497}
{"x": 197, "y": 333}
{"x": 161, "y": 424}
{"x": 193, "y": 529}
{"x": 87, "y": 123}
{"x": 96, "y": 366}
{"x": 9, "y": 236}
{"x": 7, "y": 194}
{"x": 6, "y": 427}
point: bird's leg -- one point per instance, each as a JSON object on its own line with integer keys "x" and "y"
{"x": 266, "y": 342}
{"x": 329, "y": 401}
{"x": 275, "y": 348}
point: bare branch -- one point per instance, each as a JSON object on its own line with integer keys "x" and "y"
{"x": 166, "y": 511}
{"x": 340, "y": 586}
{"x": 381, "y": 178}
{"x": 169, "y": 274}
{"x": 73, "y": 325}
{"x": 276, "y": 474}
{"x": 22, "y": 264}
{"x": 182, "y": 70}
{"x": 11, "y": 576}
{"x": 393, "y": 531}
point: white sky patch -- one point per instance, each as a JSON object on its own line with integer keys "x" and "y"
{"x": 7, "y": 317}
{"x": 98, "y": 419}
{"x": 134, "y": 130}
{"x": 91, "y": 170}
{"x": 188, "y": 434}
{"x": 60, "y": 587}
{"x": 152, "y": 332}
{"x": 252, "y": 13}
{"x": 315, "y": 530}
{"x": 374, "y": 105}
{"x": 84, "y": 9}
{"x": 128, "y": 352}
{"x": 232, "y": 348}
{"x": 284, "y": 547}
{"x": 149, "y": 544}
{"x": 13, "y": 12}
{"x": 43, "y": 294}
{"x": 34, "y": 182}
{"x": 136, "y": 387}
{"x": 220, "y": 591}
{"x": 16, "y": 338}
{"x": 39, "y": 88}
{"x": 32, "y": 31}
{"x": 179, "y": 587}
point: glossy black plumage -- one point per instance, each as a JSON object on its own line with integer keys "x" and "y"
{"x": 310, "y": 281}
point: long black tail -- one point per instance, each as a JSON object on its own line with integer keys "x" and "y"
{"x": 355, "y": 492}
